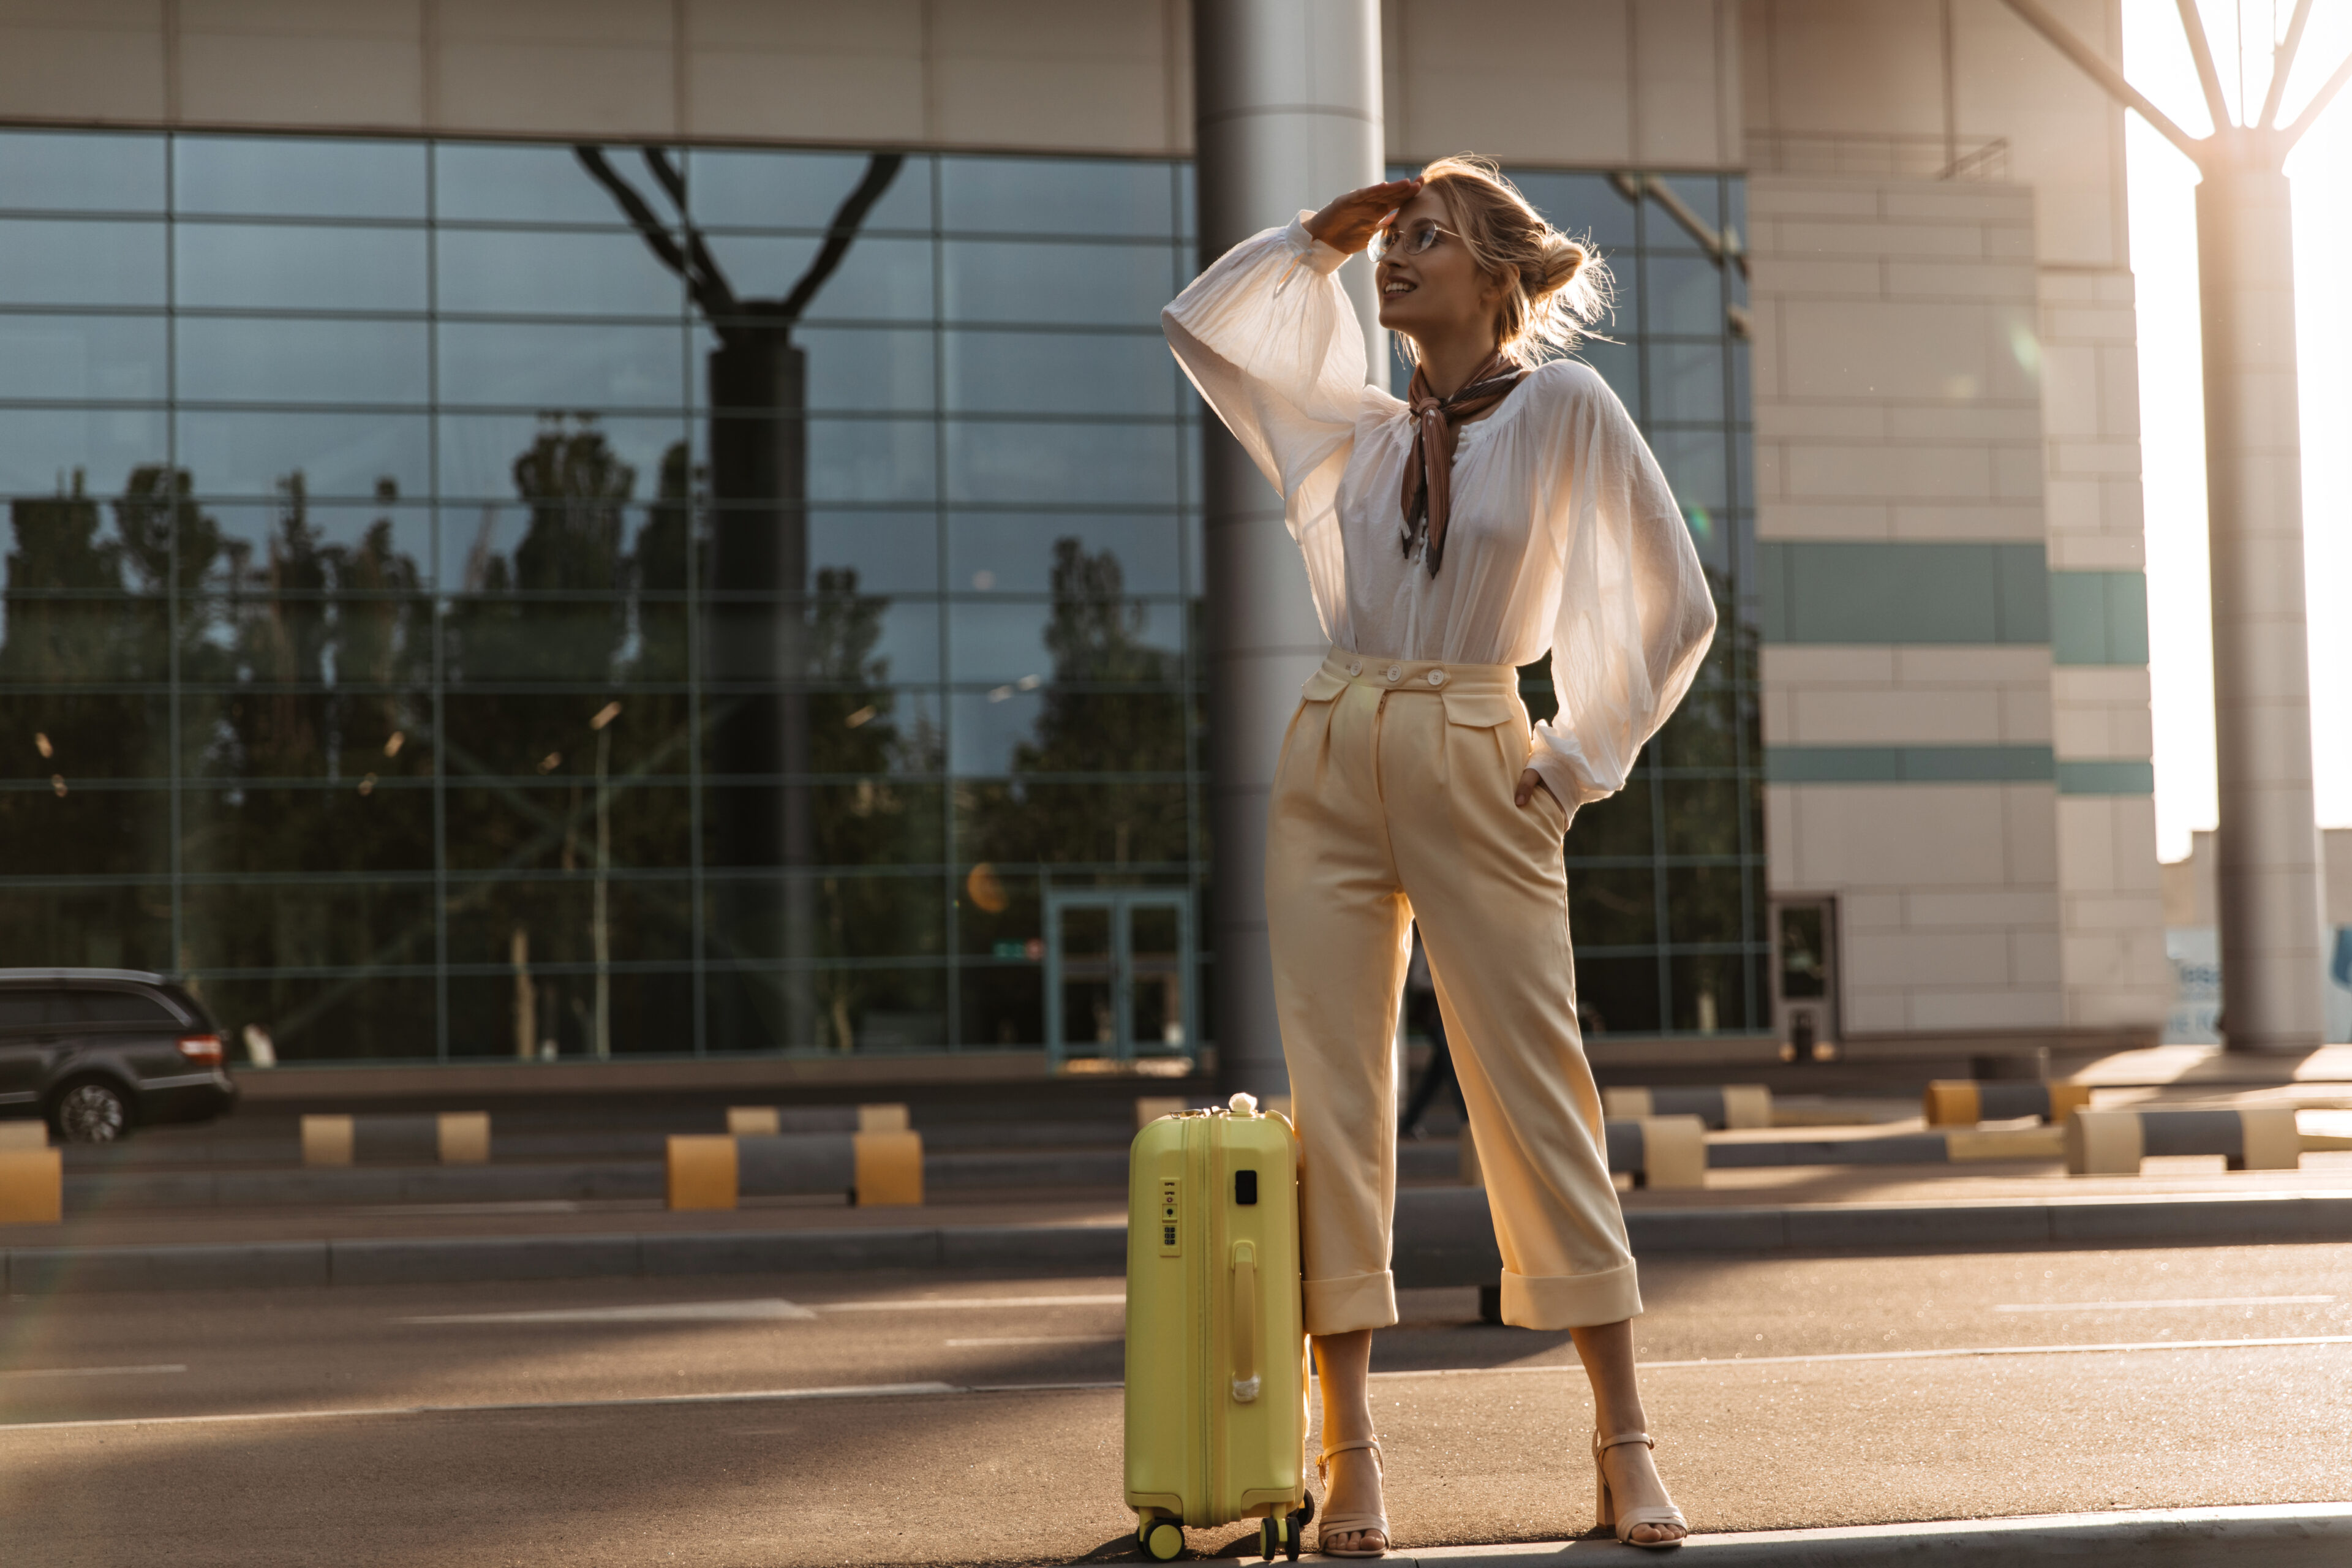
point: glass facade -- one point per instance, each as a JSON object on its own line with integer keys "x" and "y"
{"x": 477, "y": 600}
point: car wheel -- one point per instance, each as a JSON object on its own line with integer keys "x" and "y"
{"x": 91, "y": 1112}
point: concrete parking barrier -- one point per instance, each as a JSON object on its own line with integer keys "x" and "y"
{"x": 2114, "y": 1142}
{"x": 1720, "y": 1106}
{"x": 770, "y": 1121}
{"x": 1655, "y": 1151}
{"x": 1962, "y": 1102}
{"x": 717, "y": 1172}
{"x": 32, "y": 1187}
{"x": 451, "y": 1138}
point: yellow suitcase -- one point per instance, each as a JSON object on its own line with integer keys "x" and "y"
{"x": 1217, "y": 1349}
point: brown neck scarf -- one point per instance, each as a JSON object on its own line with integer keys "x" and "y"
{"x": 1436, "y": 427}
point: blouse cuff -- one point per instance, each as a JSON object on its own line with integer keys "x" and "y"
{"x": 1557, "y": 775}
{"x": 1313, "y": 251}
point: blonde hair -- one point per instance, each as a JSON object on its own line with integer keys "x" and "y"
{"x": 1558, "y": 286}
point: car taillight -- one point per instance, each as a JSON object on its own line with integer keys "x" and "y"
{"x": 204, "y": 1050}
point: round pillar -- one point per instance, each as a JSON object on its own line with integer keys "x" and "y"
{"x": 2269, "y": 881}
{"x": 1288, "y": 100}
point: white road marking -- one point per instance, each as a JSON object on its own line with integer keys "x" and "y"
{"x": 905, "y": 1390}
{"x": 1046, "y": 1340}
{"x": 771, "y": 1308}
{"x": 2187, "y": 1302}
{"x": 756, "y": 1396}
{"x": 89, "y": 1370}
{"x": 966, "y": 1303}
{"x": 1957, "y": 1353}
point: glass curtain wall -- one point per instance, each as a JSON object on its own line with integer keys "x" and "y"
{"x": 1666, "y": 883}
{"x": 474, "y": 600}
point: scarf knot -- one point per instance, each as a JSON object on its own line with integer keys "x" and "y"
{"x": 1436, "y": 430}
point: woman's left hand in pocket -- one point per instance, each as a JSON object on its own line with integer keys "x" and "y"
{"x": 1531, "y": 781}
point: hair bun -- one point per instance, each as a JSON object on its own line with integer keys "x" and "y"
{"x": 1563, "y": 260}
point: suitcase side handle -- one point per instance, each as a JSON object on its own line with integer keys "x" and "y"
{"x": 1242, "y": 1324}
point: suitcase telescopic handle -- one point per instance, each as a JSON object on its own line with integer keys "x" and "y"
{"x": 1244, "y": 1322}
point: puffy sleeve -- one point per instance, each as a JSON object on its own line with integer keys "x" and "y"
{"x": 1636, "y": 616}
{"x": 1270, "y": 339}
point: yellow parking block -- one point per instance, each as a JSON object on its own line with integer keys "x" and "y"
{"x": 701, "y": 1171}
{"x": 882, "y": 1118}
{"x": 889, "y": 1167}
{"x": 1963, "y": 1144}
{"x": 1747, "y": 1105}
{"x": 1950, "y": 1102}
{"x": 2103, "y": 1143}
{"x": 464, "y": 1137}
{"x": 752, "y": 1120}
{"x": 1674, "y": 1152}
{"x": 326, "y": 1139}
{"x": 32, "y": 1187}
{"x": 24, "y": 1134}
{"x": 2272, "y": 1140}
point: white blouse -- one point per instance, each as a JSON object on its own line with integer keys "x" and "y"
{"x": 1562, "y": 535}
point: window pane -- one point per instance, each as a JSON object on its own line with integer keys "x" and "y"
{"x": 1081, "y": 465}
{"x": 300, "y": 267}
{"x": 1710, "y": 991}
{"x": 528, "y": 741}
{"x": 880, "y": 372}
{"x": 350, "y": 1018}
{"x": 76, "y": 359}
{"x": 1617, "y": 995}
{"x": 992, "y": 551}
{"x": 496, "y": 182}
{"x": 81, "y": 639}
{"x": 513, "y": 827}
{"x": 1706, "y": 904}
{"x": 310, "y": 925}
{"x": 887, "y": 552}
{"x": 1057, "y": 285}
{"x": 82, "y": 827}
{"x": 1024, "y": 822}
{"x": 101, "y": 735}
{"x": 801, "y": 190}
{"x": 881, "y": 278}
{"x": 554, "y": 273}
{"x": 46, "y": 451}
{"x": 262, "y": 359}
{"x": 60, "y": 262}
{"x": 52, "y": 171}
{"x": 358, "y": 737}
{"x": 1057, "y": 195}
{"x": 363, "y": 551}
{"x": 337, "y": 454}
{"x": 97, "y": 927}
{"x": 1693, "y": 465}
{"x": 647, "y": 1014}
{"x": 1686, "y": 381}
{"x": 312, "y": 176}
{"x": 547, "y": 366}
{"x": 120, "y": 1007}
{"x": 1685, "y": 294}
{"x": 491, "y": 457}
{"x": 1064, "y": 373}
{"x": 1080, "y": 638}
{"x": 1580, "y": 205}
{"x": 1612, "y": 907}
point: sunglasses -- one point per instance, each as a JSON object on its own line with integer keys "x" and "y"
{"x": 1414, "y": 241}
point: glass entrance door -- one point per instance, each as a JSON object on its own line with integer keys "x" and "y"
{"x": 1804, "y": 978}
{"x": 1119, "y": 976}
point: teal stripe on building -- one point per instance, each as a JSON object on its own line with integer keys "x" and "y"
{"x": 1850, "y": 591}
{"x": 1954, "y": 764}
{"x": 1828, "y": 592}
{"x": 2098, "y": 617}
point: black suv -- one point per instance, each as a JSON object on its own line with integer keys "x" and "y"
{"x": 97, "y": 1051}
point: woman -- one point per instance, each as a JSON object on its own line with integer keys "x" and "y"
{"x": 1507, "y": 507}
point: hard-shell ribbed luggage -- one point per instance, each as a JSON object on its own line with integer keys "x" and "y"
{"x": 1216, "y": 1348}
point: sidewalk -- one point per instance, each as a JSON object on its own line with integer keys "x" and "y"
{"x": 2310, "y": 1535}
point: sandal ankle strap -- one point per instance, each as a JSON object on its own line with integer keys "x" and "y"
{"x": 1600, "y": 1446}
{"x": 1372, "y": 1443}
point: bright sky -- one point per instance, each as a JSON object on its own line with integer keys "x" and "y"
{"x": 2163, "y": 256}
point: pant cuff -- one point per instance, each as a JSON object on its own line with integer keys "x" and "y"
{"x": 1567, "y": 1300}
{"x": 1354, "y": 1302}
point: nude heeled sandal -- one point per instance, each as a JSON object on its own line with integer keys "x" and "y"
{"x": 1351, "y": 1523}
{"x": 1622, "y": 1524}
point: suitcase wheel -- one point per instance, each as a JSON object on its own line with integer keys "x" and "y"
{"x": 1270, "y": 1532}
{"x": 1297, "y": 1522}
{"x": 1162, "y": 1540}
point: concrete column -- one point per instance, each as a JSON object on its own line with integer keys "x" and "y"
{"x": 2269, "y": 889}
{"x": 1288, "y": 94}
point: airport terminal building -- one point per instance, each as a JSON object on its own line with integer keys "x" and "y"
{"x": 667, "y": 528}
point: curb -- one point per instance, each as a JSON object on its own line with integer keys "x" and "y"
{"x": 1442, "y": 1238}
{"x": 2295, "y": 1535}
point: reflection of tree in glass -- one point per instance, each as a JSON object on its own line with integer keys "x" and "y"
{"x": 758, "y": 576}
{"x": 1116, "y": 706}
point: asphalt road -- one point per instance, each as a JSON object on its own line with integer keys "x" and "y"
{"x": 887, "y": 1419}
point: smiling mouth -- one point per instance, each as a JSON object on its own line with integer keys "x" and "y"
{"x": 1397, "y": 288}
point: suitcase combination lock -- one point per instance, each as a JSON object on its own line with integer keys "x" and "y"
{"x": 1169, "y": 1215}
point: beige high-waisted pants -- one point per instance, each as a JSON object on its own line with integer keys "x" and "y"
{"x": 1393, "y": 803}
